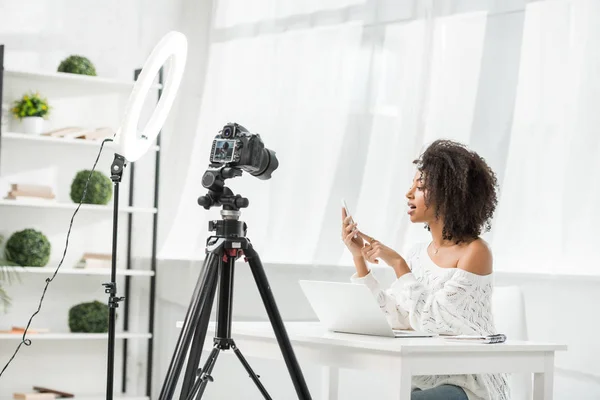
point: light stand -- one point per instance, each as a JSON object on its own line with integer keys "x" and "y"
{"x": 131, "y": 145}
{"x": 116, "y": 173}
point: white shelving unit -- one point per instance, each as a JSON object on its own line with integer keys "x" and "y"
{"x": 67, "y": 88}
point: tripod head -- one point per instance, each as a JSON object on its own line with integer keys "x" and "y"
{"x": 218, "y": 194}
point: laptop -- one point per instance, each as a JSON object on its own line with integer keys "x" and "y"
{"x": 351, "y": 308}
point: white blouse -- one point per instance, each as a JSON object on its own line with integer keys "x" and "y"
{"x": 445, "y": 301}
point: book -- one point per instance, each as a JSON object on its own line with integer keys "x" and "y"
{"x": 62, "y": 132}
{"x": 73, "y": 132}
{"x": 15, "y": 194}
{"x": 34, "y": 396}
{"x": 25, "y": 189}
{"x": 97, "y": 256}
{"x": 10, "y": 196}
{"x": 20, "y": 329}
{"x": 53, "y": 391}
{"x": 95, "y": 260}
{"x": 17, "y": 330}
{"x": 98, "y": 134}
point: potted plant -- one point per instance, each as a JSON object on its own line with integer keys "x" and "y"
{"x": 99, "y": 189}
{"x": 77, "y": 65}
{"x": 89, "y": 317}
{"x": 31, "y": 110}
{"x": 28, "y": 248}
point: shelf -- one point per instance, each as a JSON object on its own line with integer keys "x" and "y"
{"x": 78, "y": 271}
{"x": 74, "y": 336}
{"x": 54, "y": 140}
{"x": 60, "y": 83}
{"x": 73, "y": 206}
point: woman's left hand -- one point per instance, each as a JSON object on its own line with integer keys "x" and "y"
{"x": 375, "y": 250}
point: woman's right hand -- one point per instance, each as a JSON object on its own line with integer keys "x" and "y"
{"x": 350, "y": 235}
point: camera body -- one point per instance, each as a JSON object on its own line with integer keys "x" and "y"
{"x": 235, "y": 147}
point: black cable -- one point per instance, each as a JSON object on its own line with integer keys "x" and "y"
{"x": 26, "y": 341}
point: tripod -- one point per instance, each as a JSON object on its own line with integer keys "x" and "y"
{"x": 222, "y": 250}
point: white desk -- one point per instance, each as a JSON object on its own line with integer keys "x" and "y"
{"x": 402, "y": 358}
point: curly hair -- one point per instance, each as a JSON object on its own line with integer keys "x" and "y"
{"x": 461, "y": 187}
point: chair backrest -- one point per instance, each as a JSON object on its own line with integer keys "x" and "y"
{"x": 508, "y": 308}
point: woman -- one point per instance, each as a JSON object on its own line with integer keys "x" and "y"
{"x": 443, "y": 286}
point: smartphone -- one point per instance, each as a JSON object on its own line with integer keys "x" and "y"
{"x": 348, "y": 213}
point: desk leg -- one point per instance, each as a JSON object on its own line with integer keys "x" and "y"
{"x": 403, "y": 381}
{"x": 543, "y": 383}
{"x": 330, "y": 383}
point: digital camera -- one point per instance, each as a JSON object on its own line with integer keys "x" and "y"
{"x": 235, "y": 147}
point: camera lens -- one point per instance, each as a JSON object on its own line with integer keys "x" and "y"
{"x": 268, "y": 164}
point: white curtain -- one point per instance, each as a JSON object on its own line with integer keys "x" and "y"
{"x": 348, "y": 93}
{"x": 548, "y": 216}
{"x": 294, "y": 89}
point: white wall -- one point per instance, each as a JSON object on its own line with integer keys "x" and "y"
{"x": 558, "y": 310}
{"x": 117, "y": 36}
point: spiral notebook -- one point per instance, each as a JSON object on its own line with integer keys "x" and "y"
{"x": 489, "y": 339}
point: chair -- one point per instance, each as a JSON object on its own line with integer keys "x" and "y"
{"x": 508, "y": 309}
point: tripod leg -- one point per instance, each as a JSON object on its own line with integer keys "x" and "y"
{"x": 255, "y": 378}
{"x": 200, "y": 385}
{"x": 225, "y": 304}
{"x": 278, "y": 327}
{"x": 199, "y": 337}
{"x": 194, "y": 312}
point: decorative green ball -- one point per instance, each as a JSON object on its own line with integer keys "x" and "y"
{"x": 28, "y": 248}
{"x": 89, "y": 317}
{"x": 77, "y": 65}
{"x": 99, "y": 189}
